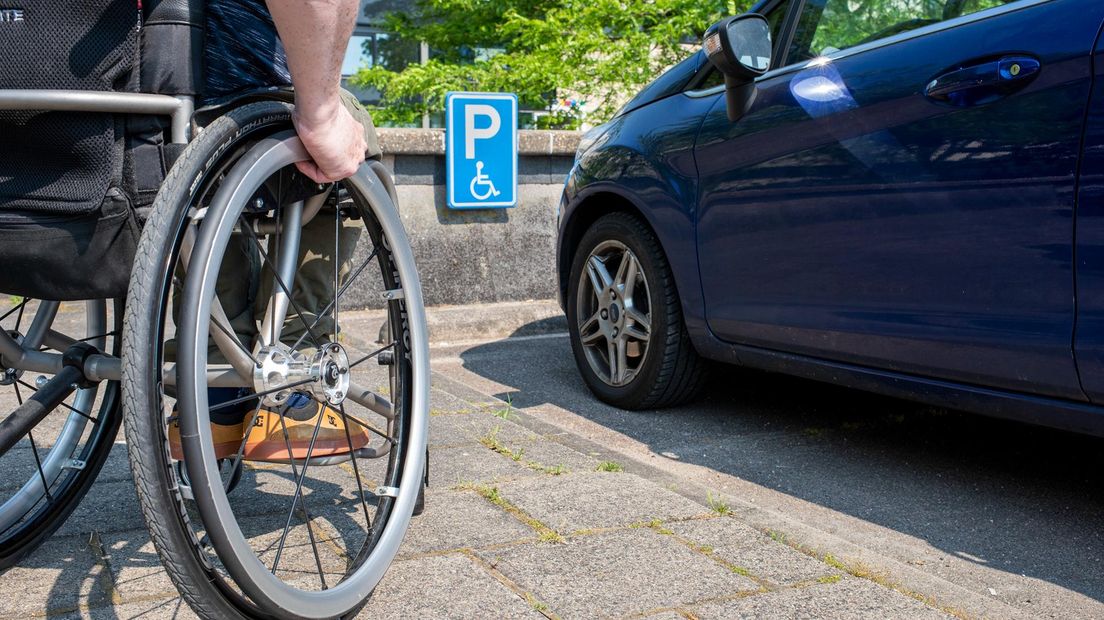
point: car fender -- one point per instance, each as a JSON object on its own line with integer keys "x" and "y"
{"x": 660, "y": 193}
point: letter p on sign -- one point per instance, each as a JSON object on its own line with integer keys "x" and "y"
{"x": 481, "y": 150}
{"x": 473, "y": 133}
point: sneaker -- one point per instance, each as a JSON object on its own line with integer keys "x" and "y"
{"x": 266, "y": 441}
{"x": 227, "y": 424}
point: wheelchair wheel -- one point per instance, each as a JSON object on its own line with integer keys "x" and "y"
{"x": 244, "y": 269}
{"x": 46, "y": 476}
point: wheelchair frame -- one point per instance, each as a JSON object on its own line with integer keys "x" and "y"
{"x": 81, "y": 365}
{"x": 95, "y": 366}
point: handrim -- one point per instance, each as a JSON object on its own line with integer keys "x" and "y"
{"x": 268, "y": 590}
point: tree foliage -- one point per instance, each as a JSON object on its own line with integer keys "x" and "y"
{"x": 595, "y": 52}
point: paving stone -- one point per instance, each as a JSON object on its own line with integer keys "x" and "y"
{"x": 447, "y": 586}
{"x": 19, "y": 466}
{"x": 60, "y": 576}
{"x": 748, "y": 548}
{"x": 455, "y": 519}
{"x": 465, "y": 428}
{"x": 173, "y": 608}
{"x": 472, "y": 464}
{"x": 548, "y": 453}
{"x": 590, "y": 500}
{"x": 442, "y": 401}
{"x": 136, "y": 569}
{"x": 615, "y": 573}
{"x": 849, "y": 599}
{"x": 108, "y": 507}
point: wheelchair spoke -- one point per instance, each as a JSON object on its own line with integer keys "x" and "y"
{"x": 18, "y": 308}
{"x": 41, "y": 474}
{"x": 34, "y": 451}
{"x": 337, "y": 267}
{"x": 368, "y": 427}
{"x": 234, "y": 339}
{"x": 371, "y": 355}
{"x": 298, "y": 311}
{"x": 242, "y": 399}
{"x": 279, "y": 226}
{"x": 340, "y": 292}
{"x": 19, "y": 317}
{"x": 73, "y": 409}
{"x": 111, "y": 333}
{"x": 298, "y": 489}
{"x": 356, "y": 470}
{"x": 247, "y": 429}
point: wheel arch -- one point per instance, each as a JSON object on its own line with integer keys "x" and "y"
{"x": 587, "y": 210}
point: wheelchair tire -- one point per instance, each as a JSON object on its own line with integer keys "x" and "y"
{"x": 200, "y": 547}
{"x": 25, "y": 530}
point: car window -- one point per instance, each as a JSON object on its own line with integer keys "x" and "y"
{"x": 827, "y": 26}
{"x": 776, "y": 17}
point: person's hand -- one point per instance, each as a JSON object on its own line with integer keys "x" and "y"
{"x": 334, "y": 140}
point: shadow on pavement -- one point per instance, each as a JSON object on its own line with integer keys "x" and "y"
{"x": 1011, "y": 497}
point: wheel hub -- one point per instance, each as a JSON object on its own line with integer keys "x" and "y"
{"x": 281, "y": 372}
{"x": 8, "y": 376}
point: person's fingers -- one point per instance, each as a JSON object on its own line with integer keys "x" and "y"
{"x": 312, "y": 171}
{"x": 337, "y": 147}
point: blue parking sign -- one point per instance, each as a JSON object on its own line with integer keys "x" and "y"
{"x": 481, "y": 150}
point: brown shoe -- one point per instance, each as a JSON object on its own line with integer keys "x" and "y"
{"x": 266, "y": 441}
{"x": 227, "y": 438}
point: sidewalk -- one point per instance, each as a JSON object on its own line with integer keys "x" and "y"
{"x": 523, "y": 520}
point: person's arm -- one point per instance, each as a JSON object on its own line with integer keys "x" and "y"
{"x": 315, "y": 34}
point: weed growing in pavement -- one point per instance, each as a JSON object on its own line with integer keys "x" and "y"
{"x": 544, "y": 533}
{"x": 716, "y": 504}
{"x": 862, "y": 571}
{"x": 535, "y": 604}
{"x": 491, "y": 441}
{"x": 833, "y": 562}
{"x": 507, "y": 412}
{"x": 15, "y": 300}
{"x": 610, "y": 466}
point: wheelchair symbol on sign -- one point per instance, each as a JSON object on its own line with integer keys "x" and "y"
{"x": 482, "y": 180}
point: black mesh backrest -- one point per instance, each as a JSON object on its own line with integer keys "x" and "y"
{"x": 63, "y": 162}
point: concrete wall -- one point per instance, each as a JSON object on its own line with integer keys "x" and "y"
{"x": 475, "y": 256}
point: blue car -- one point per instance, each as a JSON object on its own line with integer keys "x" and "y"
{"x": 902, "y": 196}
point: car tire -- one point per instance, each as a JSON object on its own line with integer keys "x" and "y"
{"x": 627, "y": 332}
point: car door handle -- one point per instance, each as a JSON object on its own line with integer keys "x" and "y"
{"x": 985, "y": 82}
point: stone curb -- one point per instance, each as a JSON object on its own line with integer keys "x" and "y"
{"x": 450, "y": 325}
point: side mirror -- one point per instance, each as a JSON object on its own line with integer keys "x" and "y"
{"x": 740, "y": 48}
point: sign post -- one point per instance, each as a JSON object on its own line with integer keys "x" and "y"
{"x": 481, "y": 150}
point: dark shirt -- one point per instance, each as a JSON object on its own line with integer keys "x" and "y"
{"x": 242, "y": 50}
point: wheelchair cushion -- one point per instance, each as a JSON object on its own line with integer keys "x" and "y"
{"x": 64, "y": 162}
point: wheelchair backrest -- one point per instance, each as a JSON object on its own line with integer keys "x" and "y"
{"x": 63, "y": 162}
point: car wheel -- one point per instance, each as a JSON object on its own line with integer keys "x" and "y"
{"x": 627, "y": 332}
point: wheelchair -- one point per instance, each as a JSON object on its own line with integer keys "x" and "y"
{"x": 160, "y": 263}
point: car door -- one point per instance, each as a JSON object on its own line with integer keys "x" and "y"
{"x": 1089, "y": 345}
{"x": 901, "y": 194}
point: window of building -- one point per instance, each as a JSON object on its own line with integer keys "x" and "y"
{"x": 378, "y": 49}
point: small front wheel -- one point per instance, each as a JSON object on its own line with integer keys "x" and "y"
{"x": 627, "y": 332}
